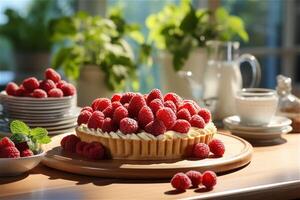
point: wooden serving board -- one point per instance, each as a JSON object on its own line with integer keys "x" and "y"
{"x": 238, "y": 153}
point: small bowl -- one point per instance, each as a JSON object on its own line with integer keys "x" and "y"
{"x": 17, "y": 166}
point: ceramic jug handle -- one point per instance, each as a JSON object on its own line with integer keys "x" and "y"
{"x": 256, "y": 71}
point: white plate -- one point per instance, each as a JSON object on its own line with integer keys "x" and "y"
{"x": 277, "y": 122}
{"x": 4, "y": 96}
{"x": 30, "y": 107}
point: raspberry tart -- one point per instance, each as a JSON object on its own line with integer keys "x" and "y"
{"x": 145, "y": 127}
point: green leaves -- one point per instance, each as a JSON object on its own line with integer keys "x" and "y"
{"x": 18, "y": 126}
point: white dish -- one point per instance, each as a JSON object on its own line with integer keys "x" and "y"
{"x": 3, "y": 95}
{"x": 44, "y": 108}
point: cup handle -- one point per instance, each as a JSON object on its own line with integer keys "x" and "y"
{"x": 255, "y": 66}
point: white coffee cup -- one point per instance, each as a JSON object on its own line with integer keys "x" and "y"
{"x": 256, "y": 106}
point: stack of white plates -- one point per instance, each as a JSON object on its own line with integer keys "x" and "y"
{"x": 57, "y": 115}
{"x": 279, "y": 125}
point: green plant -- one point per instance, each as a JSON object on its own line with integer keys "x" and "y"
{"x": 93, "y": 40}
{"x": 180, "y": 29}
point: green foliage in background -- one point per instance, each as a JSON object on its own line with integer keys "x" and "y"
{"x": 179, "y": 29}
{"x": 93, "y": 40}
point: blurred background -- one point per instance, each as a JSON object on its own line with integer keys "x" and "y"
{"x": 35, "y": 34}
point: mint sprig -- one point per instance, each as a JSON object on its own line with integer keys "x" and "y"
{"x": 18, "y": 126}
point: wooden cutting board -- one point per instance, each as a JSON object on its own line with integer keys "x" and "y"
{"x": 238, "y": 153}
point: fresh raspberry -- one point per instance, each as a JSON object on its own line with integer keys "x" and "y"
{"x": 31, "y": 83}
{"x": 209, "y": 179}
{"x": 156, "y": 127}
{"x": 96, "y": 120}
{"x": 154, "y": 94}
{"x": 189, "y": 106}
{"x": 107, "y": 125}
{"x": 181, "y": 126}
{"x": 6, "y": 142}
{"x": 79, "y": 147}
{"x": 69, "y": 144}
{"x": 116, "y": 97}
{"x": 94, "y": 151}
{"x": 115, "y": 105}
{"x": 126, "y": 97}
{"x": 126, "y": 105}
{"x": 83, "y": 117}
{"x": 47, "y": 85}
{"x": 11, "y": 88}
{"x": 21, "y": 92}
{"x": 145, "y": 116}
{"x": 201, "y": 150}
{"x": 205, "y": 114}
{"x": 167, "y": 116}
{"x": 181, "y": 181}
{"x": 87, "y": 108}
{"x": 197, "y": 121}
{"x": 68, "y": 89}
{"x": 195, "y": 177}
{"x": 63, "y": 141}
{"x": 119, "y": 114}
{"x": 128, "y": 125}
{"x": 52, "y": 74}
{"x": 60, "y": 84}
{"x": 101, "y": 103}
{"x": 155, "y": 105}
{"x": 217, "y": 147}
{"x": 22, "y": 146}
{"x": 9, "y": 152}
{"x": 135, "y": 105}
{"x": 171, "y": 105}
{"x": 26, "y": 153}
{"x": 184, "y": 114}
{"x": 55, "y": 92}
{"x": 177, "y": 100}
{"x": 108, "y": 111}
{"x": 39, "y": 93}
{"x": 194, "y": 104}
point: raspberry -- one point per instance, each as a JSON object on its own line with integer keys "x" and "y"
{"x": 60, "y": 84}
{"x": 209, "y": 179}
{"x": 22, "y": 146}
{"x": 184, "y": 114}
{"x": 87, "y": 108}
{"x": 195, "y": 177}
{"x": 11, "y": 88}
{"x": 79, "y": 147}
{"x": 47, "y": 85}
{"x": 135, "y": 105}
{"x": 116, "y": 97}
{"x": 156, "y": 127}
{"x": 108, "y": 111}
{"x": 197, "y": 121}
{"x": 201, "y": 150}
{"x": 69, "y": 144}
{"x": 96, "y": 120}
{"x": 63, "y": 141}
{"x": 128, "y": 125}
{"x": 173, "y": 97}
{"x": 55, "y": 92}
{"x": 83, "y": 117}
{"x": 107, "y": 125}
{"x": 21, "y": 92}
{"x": 154, "y": 94}
{"x": 68, "y": 89}
{"x": 155, "y": 105}
{"x": 171, "y": 105}
{"x": 52, "y": 74}
{"x": 9, "y": 152}
{"x": 205, "y": 114}
{"x": 181, "y": 126}
{"x": 94, "y": 151}
{"x": 189, "y": 106}
{"x": 119, "y": 114}
{"x": 126, "y": 105}
{"x": 115, "y": 105}
{"x": 39, "y": 93}
{"x": 181, "y": 182}
{"x": 217, "y": 147}
{"x": 6, "y": 142}
{"x": 26, "y": 153}
{"x": 31, "y": 83}
{"x": 167, "y": 116}
{"x": 126, "y": 97}
{"x": 100, "y": 103}
{"x": 145, "y": 116}
{"x": 194, "y": 104}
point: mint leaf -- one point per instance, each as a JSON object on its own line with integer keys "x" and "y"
{"x": 19, "y": 138}
{"x": 18, "y": 126}
{"x": 38, "y": 133}
{"x": 44, "y": 140}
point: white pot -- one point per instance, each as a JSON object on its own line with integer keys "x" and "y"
{"x": 91, "y": 85}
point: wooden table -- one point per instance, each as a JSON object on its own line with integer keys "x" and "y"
{"x": 274, "y": 173}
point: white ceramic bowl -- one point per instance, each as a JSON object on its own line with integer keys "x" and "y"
{"x": 17, "y": 166}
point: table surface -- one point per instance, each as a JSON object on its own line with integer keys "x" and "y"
{"x": 274, "y": 173}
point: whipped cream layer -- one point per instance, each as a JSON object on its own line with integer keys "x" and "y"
{"x": 193, "y": 132}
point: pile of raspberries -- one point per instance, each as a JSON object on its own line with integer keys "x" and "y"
{"x": 8, "y": 149}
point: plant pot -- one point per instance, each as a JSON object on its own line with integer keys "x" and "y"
{"x": 91, "y": 85}
{"x": 172, "y": 82}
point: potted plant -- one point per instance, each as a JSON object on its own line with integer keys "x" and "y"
{"x": 180, "y": 32}
{"x": 93, "y": 51}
